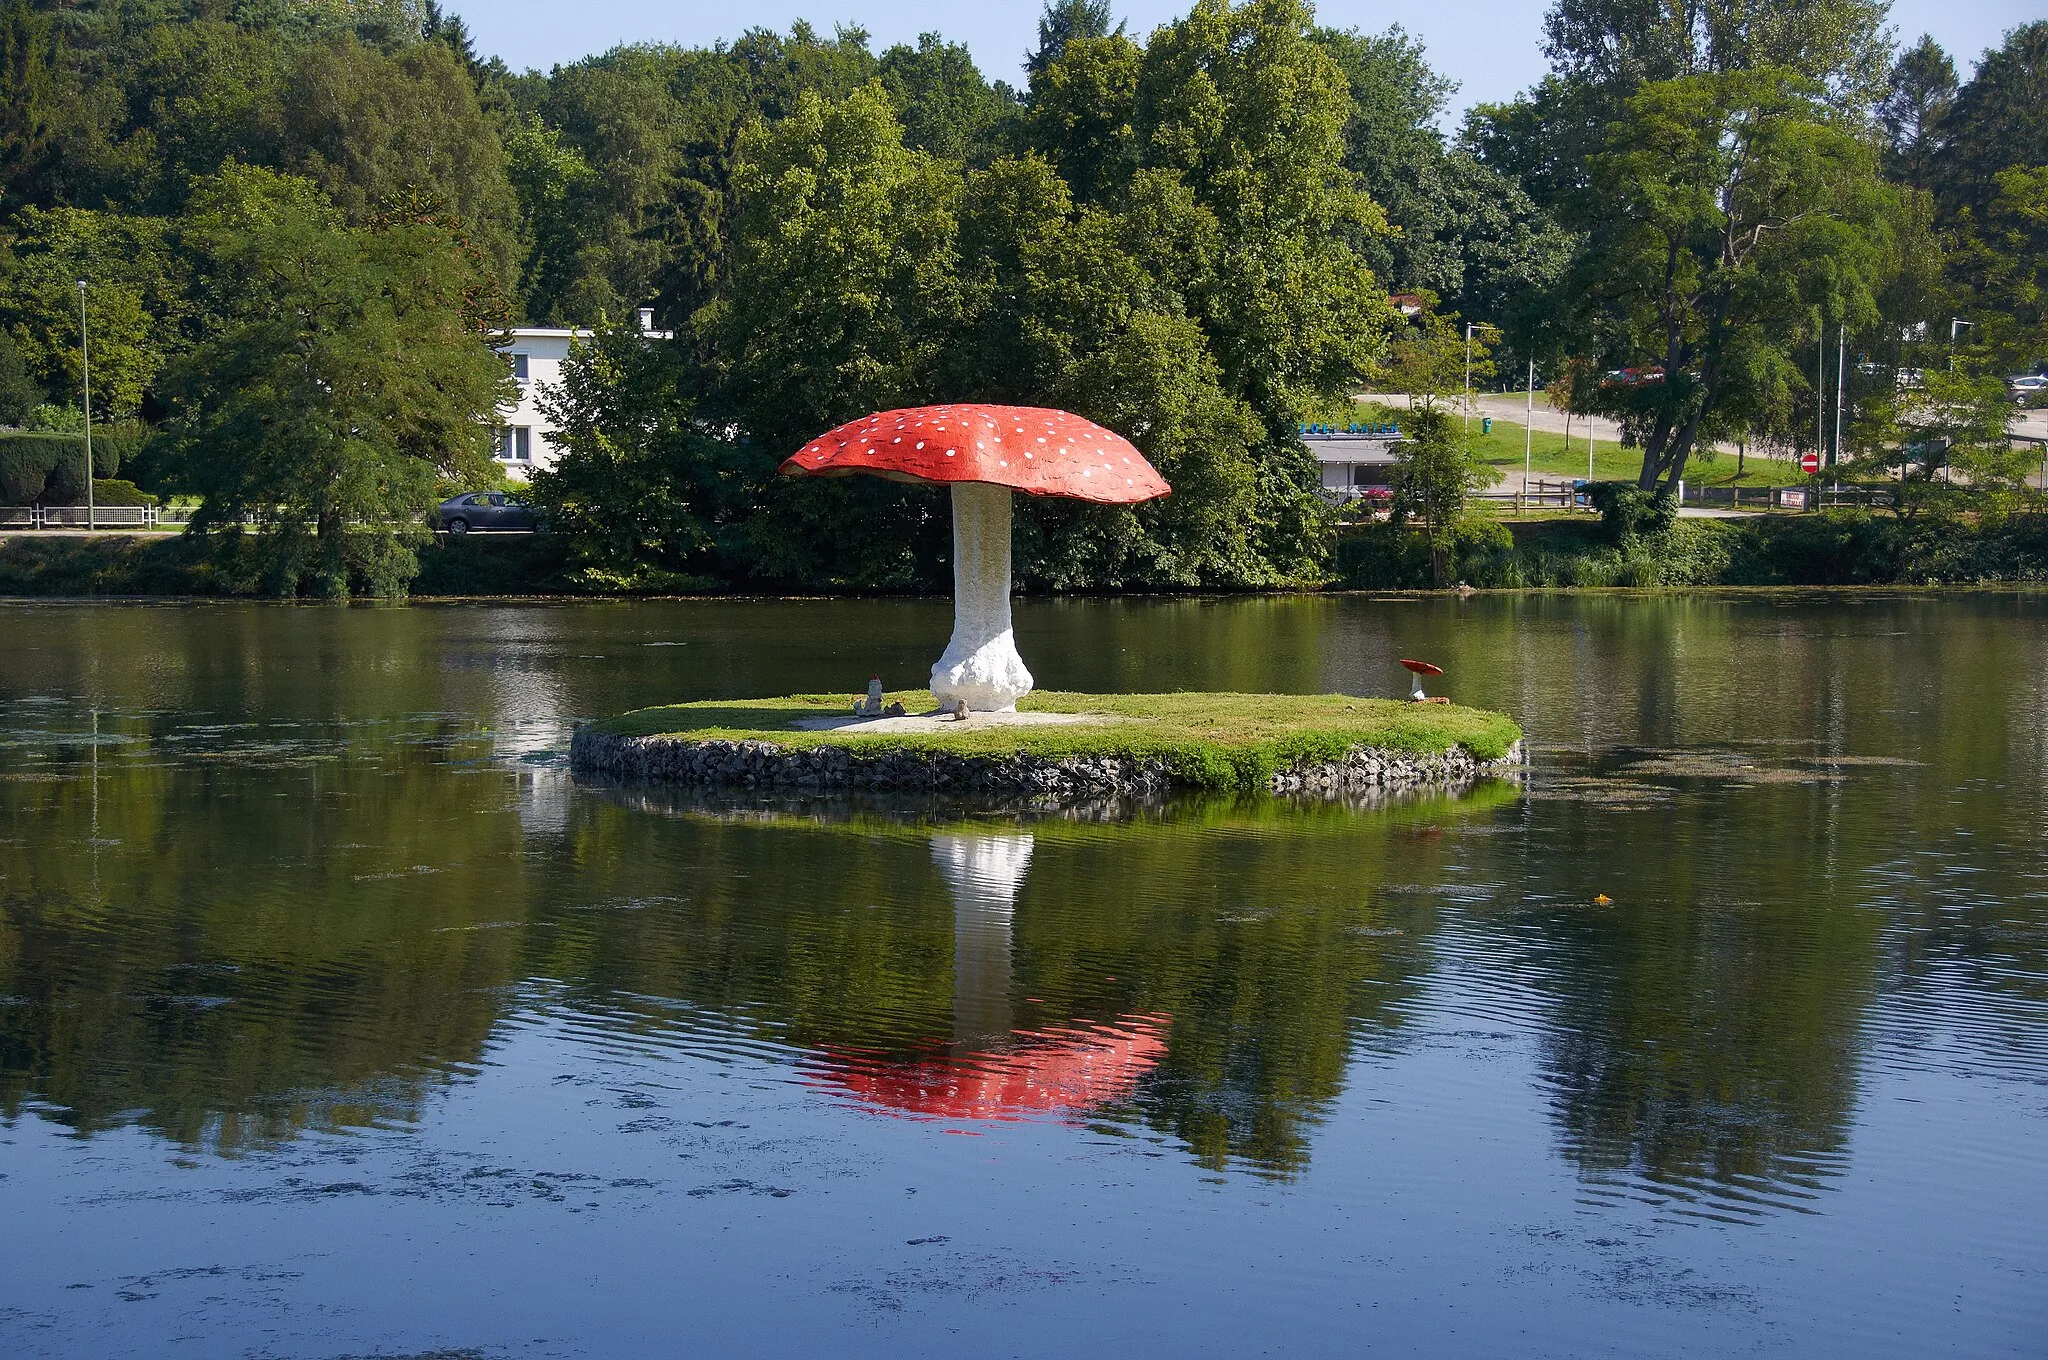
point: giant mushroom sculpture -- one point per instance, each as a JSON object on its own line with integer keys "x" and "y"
{"x": 984, "y": 453}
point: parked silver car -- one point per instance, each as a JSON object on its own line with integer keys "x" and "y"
{"x": 485, "y": 510}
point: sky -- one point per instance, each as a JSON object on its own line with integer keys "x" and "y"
{"x": 1490, "y": 47}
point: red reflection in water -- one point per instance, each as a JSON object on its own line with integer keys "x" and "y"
{"x": 1051, "y": 1071}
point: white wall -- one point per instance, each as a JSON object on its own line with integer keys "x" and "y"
{"x": 544, "y": 351}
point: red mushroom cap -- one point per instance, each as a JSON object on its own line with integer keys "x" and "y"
{"x": 1422, "y": 667}
{"x": 1026, "y": 448}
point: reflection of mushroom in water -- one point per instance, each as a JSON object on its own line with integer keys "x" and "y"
{"x": 985, "y": 873}
{"x": 993, "y": 1071}
{"x": 1418, "y": 669}
{"x": 984, "y": 453}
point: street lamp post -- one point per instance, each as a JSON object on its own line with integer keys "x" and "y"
{"x": 85, "y": 362}
{"x": 1470, "y": 328}
{"x": 1841, "y": 395}
{"x": 1468, "y": 383}
{"x": 1529, "y": 431}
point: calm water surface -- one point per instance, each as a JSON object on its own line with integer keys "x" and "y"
{"x": 337, "y": 1019}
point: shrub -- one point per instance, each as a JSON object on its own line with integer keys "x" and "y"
{"x": 27, "y": 460}
{"x": 51, "y": 467}
{"x": 1628, "y": 511}
{"x": 1388, "y": 556}
{"x": 106, "y": 491}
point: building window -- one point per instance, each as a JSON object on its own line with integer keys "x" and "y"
{"x": 519, "y": 366}
{"x": 515, "y": 444}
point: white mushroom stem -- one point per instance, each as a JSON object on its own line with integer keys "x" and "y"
{"x": 981, "y": 665}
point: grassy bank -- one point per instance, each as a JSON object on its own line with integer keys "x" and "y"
{"x": 1209, "y": 740}
{"x": 1835, "y": 548}
{"x": 1552, "y": 456}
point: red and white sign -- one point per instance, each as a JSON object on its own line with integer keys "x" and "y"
{"x": 1809, "y": 461}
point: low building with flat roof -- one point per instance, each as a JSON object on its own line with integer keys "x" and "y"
{"x": 1353, "y": 463}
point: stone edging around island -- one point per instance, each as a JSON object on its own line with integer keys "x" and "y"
{"x": 836, "y": 769}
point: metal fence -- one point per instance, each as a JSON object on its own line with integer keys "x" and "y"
{"x": 77, "y": 517}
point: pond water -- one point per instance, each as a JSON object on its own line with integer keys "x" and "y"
{"x": 337, "y": 1018}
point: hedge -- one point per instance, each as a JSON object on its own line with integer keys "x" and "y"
{"x": 1834, "y": 548}
{"x": 50, "y": 468}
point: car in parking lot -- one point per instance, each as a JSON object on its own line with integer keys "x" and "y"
{"x": 491, "y": 511}
{"x": 2027, "y": 386}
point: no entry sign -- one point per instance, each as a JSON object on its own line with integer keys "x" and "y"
{"x": 1809, "y": 461}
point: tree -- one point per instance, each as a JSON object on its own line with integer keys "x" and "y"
{"x": 1061, "y": 308}
{"x": 376, "y": 129}
{"x": 137, "y": 304}
{"x": 353, "y": 371}
{"x": 595, "y": 169}
{"x": 1622, "y": 44}
{"x": 1081, "y": 112}
{"x": 1944, "y": 441}
{"x": 30, "y": 103}
{"x": 1739, "y": 216}
{"x": 1999, "y": 120}
{"x": 1061, "y": 23}
{"x": 1428, "y": 358}
{"x": 1918, "y": 97}
{"x": 1435, "y": 473}
{"x": 644, "y": 492}
{"x": 1464, "y": 231}
{"x": 1242, "y": 107}
{"x": 842, "y": 295}
{"x": 1602, "y": 51}
{"x": 945, "y": 106}
{"x": 19, "y": 393}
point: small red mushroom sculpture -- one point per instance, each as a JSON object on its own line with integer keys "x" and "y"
{"x": 1417, "y": 670}
{"x": 984, "y": 453}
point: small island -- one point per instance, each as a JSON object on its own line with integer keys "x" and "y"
{"x": 1059, "y": 745}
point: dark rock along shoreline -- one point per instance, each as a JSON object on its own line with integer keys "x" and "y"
{"x": 762, "y": 764}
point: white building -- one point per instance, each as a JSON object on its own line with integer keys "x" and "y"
{"x": 525, "y": 436}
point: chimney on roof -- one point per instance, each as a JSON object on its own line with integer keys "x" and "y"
{"x": 646, "y": 320}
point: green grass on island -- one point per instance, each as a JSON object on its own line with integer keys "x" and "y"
{"x": 1216, "y": 741}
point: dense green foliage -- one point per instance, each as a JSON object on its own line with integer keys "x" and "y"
{"x": 1750, "y": 180}
{"x": 1189, "y": 235}
{"x": 1437, "y": 470}
{"x": 1834, "y": 548}
{"x": 1176, "y": 236}
{"x": 346, "y": 380}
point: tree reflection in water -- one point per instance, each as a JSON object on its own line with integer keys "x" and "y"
{"x": 283, "y": 919}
